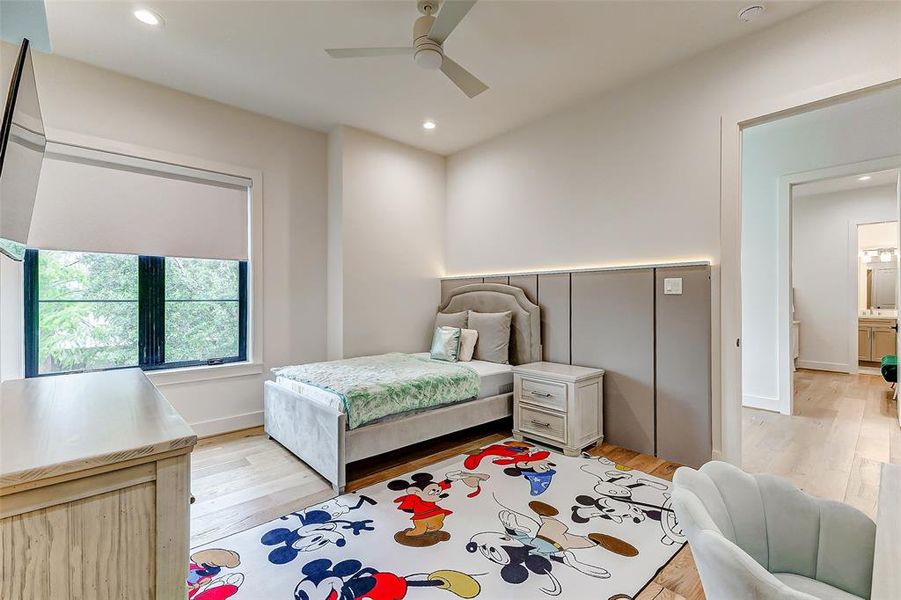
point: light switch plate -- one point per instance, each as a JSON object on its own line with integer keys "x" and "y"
{"x": 672, "y": 286}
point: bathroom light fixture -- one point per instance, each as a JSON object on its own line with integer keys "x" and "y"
{"x": 429, "y": 124}
{"x": 148, "y": 17}
{"x": 864, "y": 178}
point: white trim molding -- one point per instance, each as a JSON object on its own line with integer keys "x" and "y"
{"x": 768, "y": 403}
{"x": 818, "y": 365}
{"x": 227, "y": 424}
{"x": 164, "y": 377}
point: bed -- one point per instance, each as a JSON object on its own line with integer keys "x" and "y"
{"x": 311, "y": 422}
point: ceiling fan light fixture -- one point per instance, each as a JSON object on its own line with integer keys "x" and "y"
{"x": 428, "y": 58}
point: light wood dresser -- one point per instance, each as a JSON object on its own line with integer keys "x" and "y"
{"x": 94, "y": 489}
{"x": 561, "y": 405}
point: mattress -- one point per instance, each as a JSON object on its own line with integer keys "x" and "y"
{"x": 494, "y": 379}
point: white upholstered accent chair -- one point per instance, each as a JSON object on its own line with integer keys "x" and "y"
{"x": 759, "y": 537}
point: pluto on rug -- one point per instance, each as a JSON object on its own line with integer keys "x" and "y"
{"x": 508, "y": 521}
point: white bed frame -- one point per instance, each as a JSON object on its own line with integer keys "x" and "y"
{"x": 317, "y": 434}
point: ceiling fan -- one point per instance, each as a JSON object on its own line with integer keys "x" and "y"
{"x": 429, "y": 34}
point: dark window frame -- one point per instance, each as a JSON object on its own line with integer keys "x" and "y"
{"x": 151, "y": 319}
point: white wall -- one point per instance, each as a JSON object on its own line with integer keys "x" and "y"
{"x": 822, "y": 255}
{"x": 864, "y": 128}
{"x": 634, "y": 176}
{"x": 389, "y": 198}
{"x": 79, "y": 98}
{"x": 11, "y": 319}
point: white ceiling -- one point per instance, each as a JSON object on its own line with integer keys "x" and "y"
{"x": 852, "y": 182}
{"x": 267, "y": 57}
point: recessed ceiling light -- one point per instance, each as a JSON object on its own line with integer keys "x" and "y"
{"x": 429, "y": 125}
{"x": 148, "y": 17}
{"x": 749, "y": 13}
{"x": 864, "y": 178}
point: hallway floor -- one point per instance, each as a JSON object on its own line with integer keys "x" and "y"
{"x": 843, "y": 429}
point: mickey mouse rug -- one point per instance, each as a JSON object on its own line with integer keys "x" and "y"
{"x": 509, "y": 520}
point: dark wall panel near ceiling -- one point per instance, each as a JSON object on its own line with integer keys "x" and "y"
{"x": 451, "y": 284}
{"x": 553, "y": 298}
{"x": 683, "y": 367}
{"x": 613, "y": 329}
{"x": 528, "y": 284}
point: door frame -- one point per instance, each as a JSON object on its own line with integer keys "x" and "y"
{"x": 727, "y": 344}
{"x": 785, "y": 400}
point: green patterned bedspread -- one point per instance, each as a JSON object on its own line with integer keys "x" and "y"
{"x": 373, "y": 387}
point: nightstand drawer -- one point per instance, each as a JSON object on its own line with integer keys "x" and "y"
{"x": 544, "y": 393}
{"x": 542, "y": 423}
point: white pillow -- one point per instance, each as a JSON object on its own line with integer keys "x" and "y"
{"x": 468, "y": 339}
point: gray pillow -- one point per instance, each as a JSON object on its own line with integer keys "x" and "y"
{"x": 457, "y": 319}
{"x": 494, "y": 336}
{"x": 446, "y": 344}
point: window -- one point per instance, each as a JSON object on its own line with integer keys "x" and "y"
{"x": 87, "y": 311}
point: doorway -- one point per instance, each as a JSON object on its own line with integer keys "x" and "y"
{"x": 809, "y": 181}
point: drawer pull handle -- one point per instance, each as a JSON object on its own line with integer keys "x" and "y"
{"x": 542, "y": 394}
{"x": 541, "y": 424}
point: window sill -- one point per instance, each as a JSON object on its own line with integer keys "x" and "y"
{"x": 164, "y": 377}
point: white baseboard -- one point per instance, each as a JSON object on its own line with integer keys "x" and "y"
{"x": 769, "y": 403}
{"x": 227, "y": 424}
{"x": 823, "y": 366}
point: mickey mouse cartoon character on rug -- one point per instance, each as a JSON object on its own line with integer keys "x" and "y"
{"x": 529, "y": 547}
{"x": 614, "y": 500}
{"x": 520, "y": 461}
{"x": 350, "y": 580}
{"x": 319, "y": 527}
{"x": 205, "y": 578}
{"x": 421, "y": 500}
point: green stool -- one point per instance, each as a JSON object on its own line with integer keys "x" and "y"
{"x": 889, "y": 368}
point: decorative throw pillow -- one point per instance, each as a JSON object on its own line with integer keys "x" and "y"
{"x": 457, "y": 319}
{"x": 494, "y": 336}
{"x": 468, "y": 339}
{"x": 446, "y": 344}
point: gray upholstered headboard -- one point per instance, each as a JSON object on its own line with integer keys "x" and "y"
{"x": 525, "y": 330}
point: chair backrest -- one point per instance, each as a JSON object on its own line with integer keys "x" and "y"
{"x": 780, "y": 527}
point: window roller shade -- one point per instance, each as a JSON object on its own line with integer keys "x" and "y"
{"x": 91, "y": 206}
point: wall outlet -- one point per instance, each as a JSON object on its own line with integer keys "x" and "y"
{"x": 672, "y": 286}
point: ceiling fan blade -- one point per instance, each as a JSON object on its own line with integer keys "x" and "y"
{"x": 367, "y": 52}
{"x": 463, "y": 79}
{"x": 450, "y": 15}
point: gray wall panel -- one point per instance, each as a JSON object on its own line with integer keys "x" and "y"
{"x": 613, "y": 329}
{"x": 528, "y": 284}
{"x": 553, "y": 298}
{"x": 683, "y": 367}
{"x": 500, "y": 279}
{"x": 450, "y": 284}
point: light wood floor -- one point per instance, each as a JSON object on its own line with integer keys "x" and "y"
{"x": 243, "y": 479}
{"x": 843, "y": 429}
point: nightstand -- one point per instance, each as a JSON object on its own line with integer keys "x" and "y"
{"x": 560, "y": 405}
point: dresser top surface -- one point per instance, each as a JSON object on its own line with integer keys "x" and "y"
{"x": 557, "y": 371}
{"x": 51, "y": 426}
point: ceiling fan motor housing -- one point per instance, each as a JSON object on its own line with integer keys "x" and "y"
{"x": 427, "y": 53}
